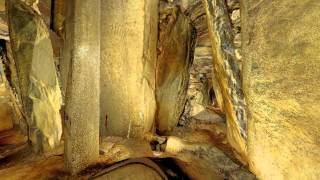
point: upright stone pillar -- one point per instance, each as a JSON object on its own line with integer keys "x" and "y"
{"x": 175, "y": 55}
{"x": 83, "y": 87}
{"x": 281, "y": 71}
{"x": 128, "y": 62}
{"x": 38, "y": 81}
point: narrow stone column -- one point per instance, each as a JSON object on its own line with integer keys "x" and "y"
{"x": 83, "y": 87}
{"x": 227, "y": 73}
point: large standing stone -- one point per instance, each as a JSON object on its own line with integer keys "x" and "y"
{"x": 38, "y": 82}
{"x": 227, "y": 73}
{"x": 175, "y": 54}
{"x": 281, "y": 76}
{"x": 128, "y": 57}
{"x": 83, "y": 86}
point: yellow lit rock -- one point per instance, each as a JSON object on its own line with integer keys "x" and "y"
{"x": 6, "y": 116}
{"x": 128, "y": 56}
{"x": 281, "y": 76}
{"x": 38, "y": 80}
{"x": 175, "y": 54}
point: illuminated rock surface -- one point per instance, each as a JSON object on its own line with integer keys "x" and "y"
{"x": 175, "y": 55}
{"x": 281, "y": 73}
{"x": 82, "y": 113}
{"x": 38, "y": 81}
{"x": 227, "y": 72}
{"x": 6, "y": 114}
{"x": 260, "y": 60}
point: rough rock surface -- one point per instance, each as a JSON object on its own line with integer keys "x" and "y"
{"x": 45, "y": 10}
{"x": 4, "y": 32}
{"x": 59, "y": 16}
{"x": 281, "y": 77}
{"x": 128, "y": 62}
{"x": 201, "y": 93}
{"x": 202, "y": 160}
{"x": 175, "y": 55}
{"x": 6, "y": 111}
{"x": 38, "y": 82}
{"x": 227, "y": 72}
{"x": 203, "y": 88}
{"x": 82, "y": 114}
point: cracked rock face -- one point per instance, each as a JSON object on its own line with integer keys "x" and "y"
{"x": 38, "y": 81}
{"x": 281, "y": 76}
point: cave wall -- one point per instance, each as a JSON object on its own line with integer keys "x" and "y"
{"x": 227, "y": 72}
{"x": 280, "y": 74}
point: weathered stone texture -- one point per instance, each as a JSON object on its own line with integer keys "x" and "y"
{"x": 281, "y": 76}
{"x": 38, "y": 82}
{"x": 128, "y": 57}
{"x": 59, "y": 16}
{"x": 175, "y": 55}
{"x": 227, "y": 73}
{"x": 82, "y": 112}
{"x": 45, "y": 10}
{"x": 200, "y": 82}
{"x": 4, "y": 32}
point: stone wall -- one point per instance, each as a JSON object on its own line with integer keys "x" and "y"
{"x": 281, "y": 83}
